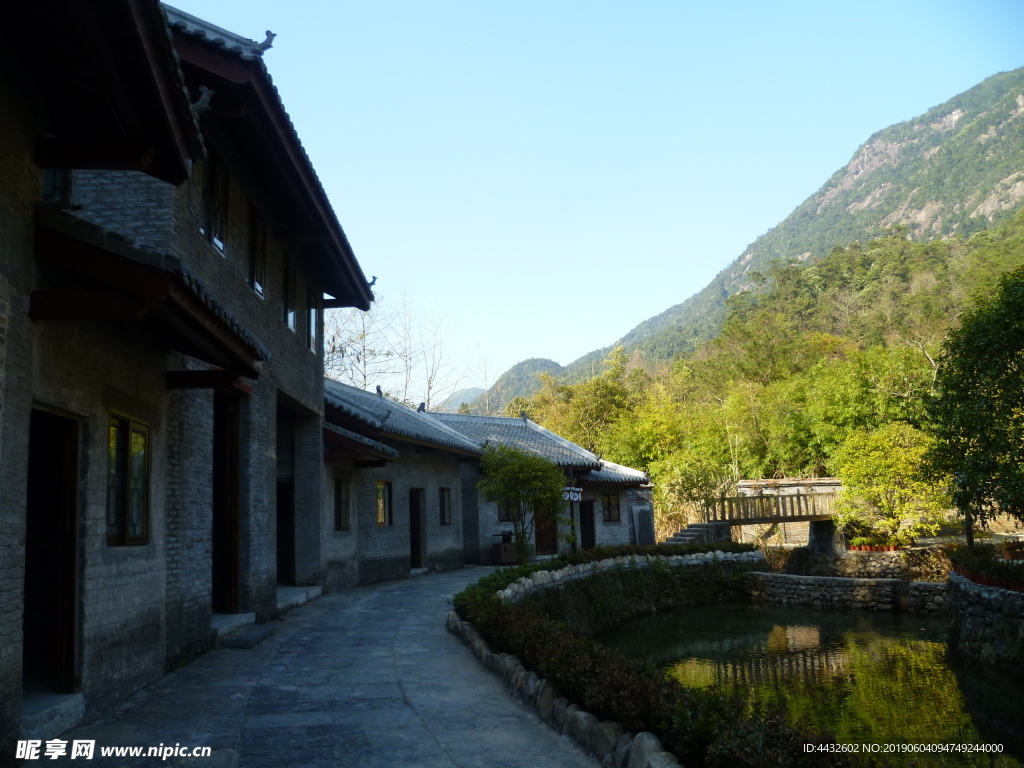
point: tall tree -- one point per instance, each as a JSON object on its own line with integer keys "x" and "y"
{"x": 978, "y": 410}
{"x": 526, "y": 485}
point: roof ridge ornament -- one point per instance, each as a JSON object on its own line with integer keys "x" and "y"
{"x": 202, "y": 105}
{"x": 267, "y": 44}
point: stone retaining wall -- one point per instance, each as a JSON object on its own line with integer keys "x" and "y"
{"x": 915, "y": 564}
{"x": 841, "y": 592}
{"x": 988, "y": 622}
{"x": 543, "y": 579}
{"x": 606, "y": 740}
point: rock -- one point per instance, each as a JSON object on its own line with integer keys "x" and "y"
{"x": 510, "y": 663}
{"x": 581, "y": 726}
{"x": 531, "y": 686}
{"x": 453, "y": 621}
{"x": 558, "y": 708}
{"x": 492, "y": 662}
{"x": 644, "y": 745}
{"x": 620, "y": 757}
{"x": 546, "y": 702}
{"x": 661, "y": 760}
{"x": 604, "y": 738}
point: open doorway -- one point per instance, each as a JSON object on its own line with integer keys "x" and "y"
{"x": 51, "y": 549}
{"x": 587, "y": 534}
{"x": 546, "y": 526}
{"x": 285, "y": 496}
{"x": 416, "y": 526}
{"x": 226, "y": 503}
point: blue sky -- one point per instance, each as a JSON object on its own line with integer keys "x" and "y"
{"x": 546, "y": 175}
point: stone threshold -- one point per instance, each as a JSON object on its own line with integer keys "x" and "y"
{"x": 227, "y": 624}
{"x": 44, "y": 715}
{"x": 293, "y": 597}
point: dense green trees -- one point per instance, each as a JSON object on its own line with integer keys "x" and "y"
{"x": 979, "y": 406}
{"x": 844, "y": 347}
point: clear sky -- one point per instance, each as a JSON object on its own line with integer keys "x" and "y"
{"x": 549, "y": 173}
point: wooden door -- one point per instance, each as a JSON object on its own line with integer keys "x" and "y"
{"x": 588, "y": 538}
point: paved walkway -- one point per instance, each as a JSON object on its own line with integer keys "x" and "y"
{"x": 365, "y": 677}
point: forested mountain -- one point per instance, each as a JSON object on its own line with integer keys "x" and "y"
{"x": 955, "y": 170}
{"x": 821, "y": 361}
{"x": 521, "y": 380}
{"x": 460, "y": 397}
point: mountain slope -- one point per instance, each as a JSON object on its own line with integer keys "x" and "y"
{"x": 955, "y": 170}
{"x": 518, "y": 381}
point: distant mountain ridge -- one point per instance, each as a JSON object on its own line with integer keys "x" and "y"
{"x": 955, "y": 170}
{"x": 518, "y": 381}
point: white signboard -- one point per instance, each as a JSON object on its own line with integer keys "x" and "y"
{"x": 571, "y": 493}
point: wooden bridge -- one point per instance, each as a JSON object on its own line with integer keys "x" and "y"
{"x": 791, "y": 508}
{"x": 722, "y": 513}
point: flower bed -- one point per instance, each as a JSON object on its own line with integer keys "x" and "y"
{"x": 536, "y": 626}
{"x": 984, "y": 565}
{"x": 990, "y": 581}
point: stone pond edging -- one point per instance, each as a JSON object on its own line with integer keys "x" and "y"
{"x": 606, "y": 740}
{"x": 542, "y": 579}
{"x": 987, "y": 622}
{"x": 844, "y": 592}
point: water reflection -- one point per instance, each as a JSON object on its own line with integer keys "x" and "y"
{"x": 866, "y": 677}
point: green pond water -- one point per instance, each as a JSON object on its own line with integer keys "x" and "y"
{"x": 866, "y": 677}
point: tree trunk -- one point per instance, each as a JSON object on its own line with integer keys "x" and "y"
{"x": 969, "y": 528}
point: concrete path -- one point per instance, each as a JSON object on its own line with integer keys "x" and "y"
{"x": 365, "y": 677}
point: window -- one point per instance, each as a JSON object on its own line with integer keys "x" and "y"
{"x": 313, "y": 320}
{"x": 215, "y": 202}
{"x": 610, "y": 507}
{"x": 127, "y": 482}
{"x": 257, "y": 251}
{"x": 341, "y": 518}
{"x": 288, "y": 295}
{"x": 507, "y": 513}
{"x": 446, "y": 506}
{"x": 385, "y": 506}
{"x": 57, "y": 187}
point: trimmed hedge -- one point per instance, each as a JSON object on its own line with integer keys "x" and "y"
{"x": 703, "y": 727}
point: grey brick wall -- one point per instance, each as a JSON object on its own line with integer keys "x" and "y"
{"x": 340, "y": 547}
{"x": 189, "y": 520}
{"x": 20, "y": 189}
{"x": 131, "y": 203}
{"x": 89, "y": 369}
{"x": 385, "y": 551}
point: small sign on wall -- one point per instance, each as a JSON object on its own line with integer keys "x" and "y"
{"x": 571, "y": 493}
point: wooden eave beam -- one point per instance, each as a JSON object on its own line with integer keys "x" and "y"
{"x": 96, "y": 305}
{"x": 210, "y": 379}
{"x": 166, "y": 299}
{"x": 369, "y": 464}
{"x": 92, "y": 154}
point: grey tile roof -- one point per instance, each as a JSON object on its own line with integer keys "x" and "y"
{"x": 393, "y": 418}
{"x": 370, "y": 443}
{"x": 610, "y": 472}
{"x": 523, "y": 434}
{"x": 116, "y": 243}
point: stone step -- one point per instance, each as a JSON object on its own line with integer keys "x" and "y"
{"x": 293, "y": 597}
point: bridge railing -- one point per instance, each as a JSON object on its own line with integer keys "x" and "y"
{"x": 797, "y": 506}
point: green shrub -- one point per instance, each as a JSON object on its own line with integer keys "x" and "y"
{"x": 986, "y": 560}
{"x": 704, "y": 727}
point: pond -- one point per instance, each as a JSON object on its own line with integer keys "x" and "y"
{"x": 866, "y": 677}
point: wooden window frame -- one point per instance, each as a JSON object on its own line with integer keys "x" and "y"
{"x": 122, "y": 427}
{"x": 312, "y": 321}
{"x": 57, "y": 187}
{"x": 385, "y": 503}
{"x": 215, "y": 202}
{"x": 506, "y": 513}
{"x": 257, "y": 253}
{"x": 609, "y": 503}
{"x": 288, "y": 296}
{"x": 445, "y": 501}
{"x": 342, "y": 516}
